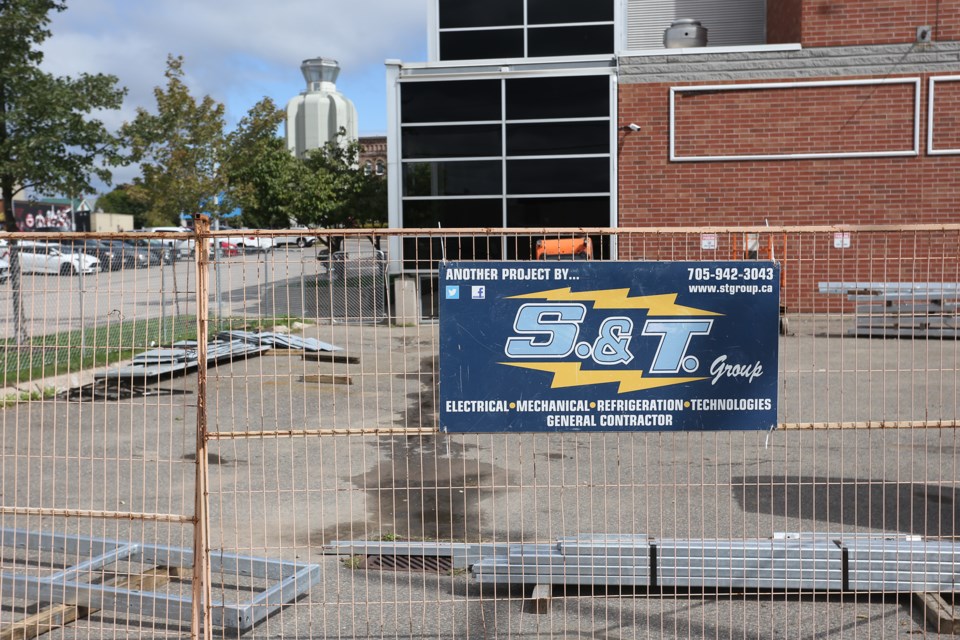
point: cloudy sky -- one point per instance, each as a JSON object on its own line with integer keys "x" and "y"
{"x": 238, "y": 51}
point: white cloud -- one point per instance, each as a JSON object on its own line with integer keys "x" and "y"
{"x": 237, "y": 51}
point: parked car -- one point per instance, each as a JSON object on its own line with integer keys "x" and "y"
{"x": 183, "y": 247}
{"x": 39, "y": 257}
{"x": 300, "y": 241}
{"x": 110, "y": 256}
{"x": 131, "y": 257}
{"x": 246, "y": 241}
{"x": 227, "y": 250}
{"x": 156, "y": 252}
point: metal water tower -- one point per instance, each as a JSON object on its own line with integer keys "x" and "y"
{"x": 315, "y": 116}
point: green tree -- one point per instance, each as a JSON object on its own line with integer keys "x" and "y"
{"x": 129, "y": 199}
{"x": 49, "y": 141}
{"x": 327, "y": 188}
{"x": 263, "y": 176}
{"x": 340, "y": 193}
{"x": 180, "y": 149}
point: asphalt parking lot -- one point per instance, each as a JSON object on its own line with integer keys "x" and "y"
{"x": 239, "y": 287}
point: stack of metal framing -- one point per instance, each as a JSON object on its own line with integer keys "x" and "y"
{"x": 887, "y": 563}
{"x": 593, "y": 559}
{"x": 181, "y": 358}
{"x": 902, "y": 309}
{"x": 279, "y": 340}
{"x": 264, "y": 585}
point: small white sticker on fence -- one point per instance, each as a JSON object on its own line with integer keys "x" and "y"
{"x": 708, "y": 241}
{"x": 841, "y": 240}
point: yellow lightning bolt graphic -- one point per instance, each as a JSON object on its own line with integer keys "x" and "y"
{"x": 664, "y": 304}
{"x": 569, "y": 374}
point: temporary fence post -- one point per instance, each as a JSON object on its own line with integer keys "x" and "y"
{"x": 163, "y": 299}
{"x": 217, "y": 259}
{"x": 200, "y": 613}
{"x": 266, "y": 277}
{"x": 83, "y": 324}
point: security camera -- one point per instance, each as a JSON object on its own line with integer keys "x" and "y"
{"x": 633, "y": 126}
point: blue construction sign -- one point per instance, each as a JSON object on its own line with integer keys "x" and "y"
{"x": 608, "y": 346}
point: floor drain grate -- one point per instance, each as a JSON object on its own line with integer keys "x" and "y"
{"x": 431, "y": 564}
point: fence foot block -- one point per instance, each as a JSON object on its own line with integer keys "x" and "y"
{"x": 938, "y": 612}
{"x": 327, "y": 378}
{"x": 540, "y": 599}
{"x": 328, "y": 357}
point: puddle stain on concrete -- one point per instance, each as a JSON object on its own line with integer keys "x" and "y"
{"x": 425, "y": 487}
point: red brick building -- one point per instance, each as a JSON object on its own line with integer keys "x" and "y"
{"x": 570, "y": 114}
{"x": 859, "y": 125}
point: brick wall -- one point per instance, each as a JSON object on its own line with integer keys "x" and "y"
{"x": 831, "y": 23}
{"x": 784, "y": 21}
{"x": 946, "y": 115}
{"x": 808, "y": 120}
{"x": 893, "y": 190}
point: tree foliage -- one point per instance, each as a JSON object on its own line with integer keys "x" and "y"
{"x": 340, "y": 192}
{"x": 49, "y": 141}
{"x": 262, "y": 175}
{"x": 130, "y": 199}
{"x": 179, "y": 148}
{"x": 326, "y": 188}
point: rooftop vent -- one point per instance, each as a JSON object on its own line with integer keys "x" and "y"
{"x": 685, "y": 33}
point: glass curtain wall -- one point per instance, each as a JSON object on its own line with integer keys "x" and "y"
{"x": 473, "y": 30}
{"x": 508, "y": 152}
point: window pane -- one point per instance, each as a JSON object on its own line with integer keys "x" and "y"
{"x": 570, "y": 41}
{"x": 426, "y": 253}
{"x": 563, "y": 97}
{"x": 552, "y": 138}
{"x": 489, "y": 13}
{"x": 575, "y": 175}
{"x": 451, "y": 214}
{"x": 452, "y": 178}
{"x": 459, "y": 100}
{"x": 451, "y": 142}
{"x": 554, "y": 11}
{"x": 558, "y": 212}
{"x": 478, "y": 45}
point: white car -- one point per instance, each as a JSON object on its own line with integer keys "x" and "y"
{"x": 245, "y": 241}
{"x": 300, "y": 241}
{"x": 39, "y": 257}
{"x": 184, "y": 247}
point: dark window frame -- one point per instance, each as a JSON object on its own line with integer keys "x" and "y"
{"x": 531, "y": 18}
{"x": 595, "y": 112}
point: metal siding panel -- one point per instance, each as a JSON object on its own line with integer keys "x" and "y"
{"x": 898, "y": 565}
{"x": 729, "y": 23}
{"x": 761, "y": 564}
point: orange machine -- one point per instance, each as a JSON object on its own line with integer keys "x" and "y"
{"x": 565, "y": 249}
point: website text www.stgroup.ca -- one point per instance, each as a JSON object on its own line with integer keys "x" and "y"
{"x": 732, "y": 289}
